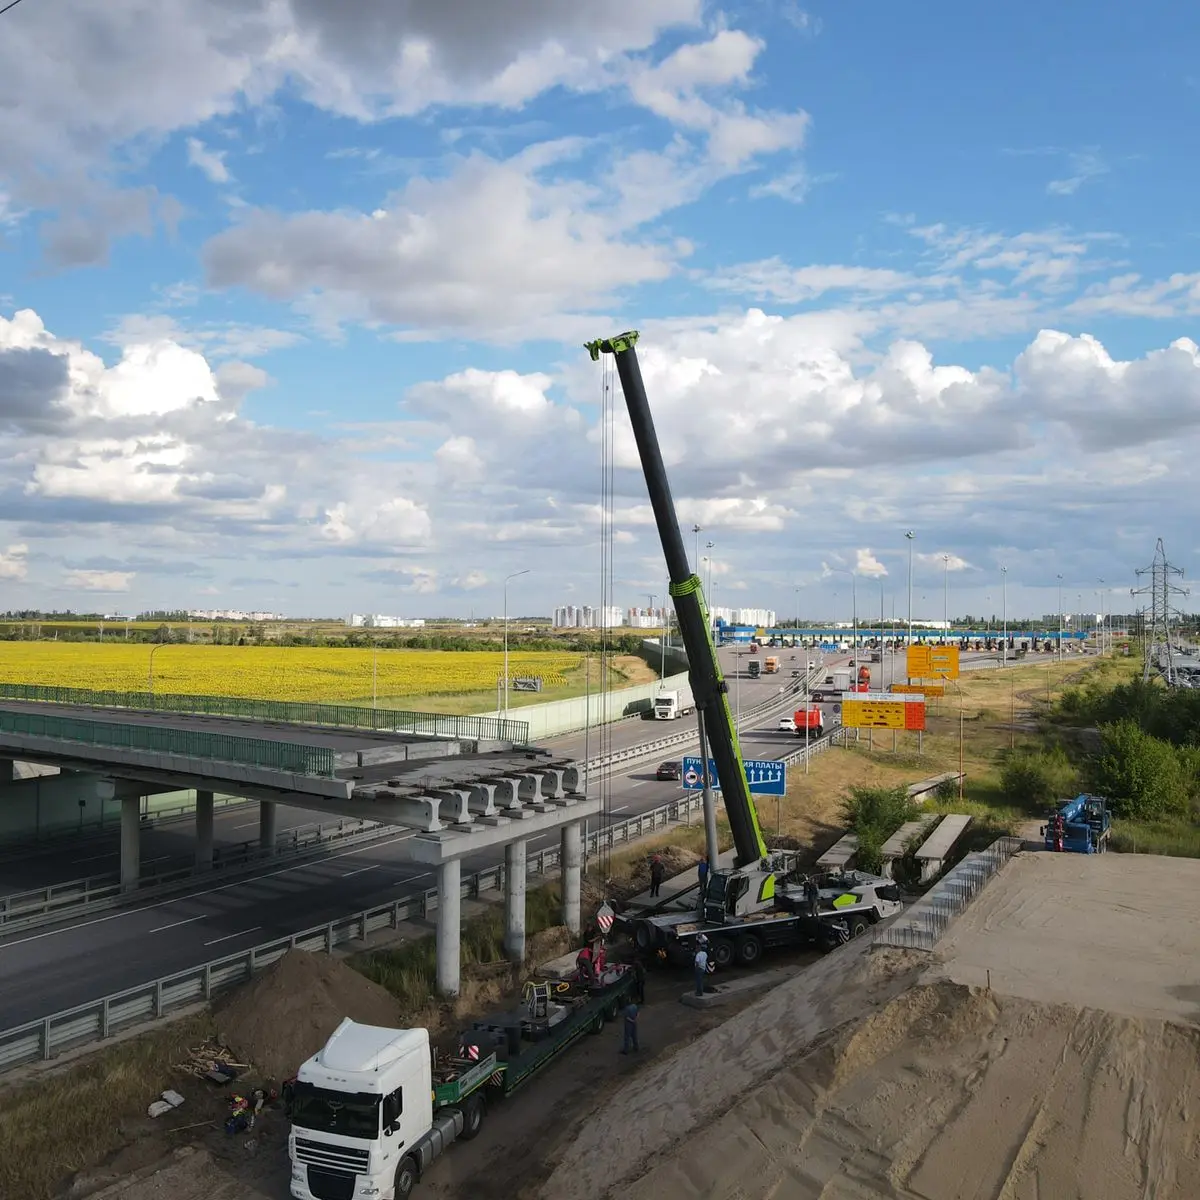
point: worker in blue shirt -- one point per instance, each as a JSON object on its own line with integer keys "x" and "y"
{"x": 702, "y": 869}
{"x": 630, "y": 1041}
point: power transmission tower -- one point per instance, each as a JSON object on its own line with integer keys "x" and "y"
{"x": 1159, "y": 617}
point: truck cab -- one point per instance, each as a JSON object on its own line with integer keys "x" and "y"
{"x": 361, "y": 1106}
{"x": 771, "y": 665}
{"x": 754, "y": 668}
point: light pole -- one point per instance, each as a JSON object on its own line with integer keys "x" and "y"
{"x": 709, "y": 547}
{"x": 910, "y": 536}
{"x": 946, "y": 595}
{"x": 854, "y": 611}
{"x": 514, "y": 575}
{"x": 696, "y": 531}
{"x": 883, "y": 654}
{"x": 1103, "y": 620}
{"x": 153, "y": 651}
{"x": 1004, "y": 612}
{"x": 1060, "y": 620}
{"x": 796, "y": 635}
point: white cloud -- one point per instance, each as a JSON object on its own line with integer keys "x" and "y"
{"x": 865, "y": 563}
{"x": 774, "y": 280}
{"x": 14, "y": 562}
{"x": 210, "y": 162}
{"x": 944, "y": 561}
{"x": 1084, "y": 167}
{"x": 98, "y": 581}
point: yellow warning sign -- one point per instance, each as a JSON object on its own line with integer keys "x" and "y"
{"x": 883, "y": 714}
{"x": 933, "y": 662}
{"x": 919, "y": 689}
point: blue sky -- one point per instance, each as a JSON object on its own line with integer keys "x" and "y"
{"x": 302, "y": 291}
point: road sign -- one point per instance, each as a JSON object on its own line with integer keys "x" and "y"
{"x": 932, "y": 662}
{"x": 604, "y": 917}
{"x": 883, "y": 711}
{"x": 765, "y": 776}
{"x": 527, "y": 683}
{"x": 919, "y": 689}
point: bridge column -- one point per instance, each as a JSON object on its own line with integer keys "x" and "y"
{"x": 8, "y": 770}
{"x": 514, "y": 901}
{"x": 449, "y": 926}
{"x": 570, "y": 859}
{"x": 131, "y": 844}
{"x": 204, "y": 830}
{"x": 267, "y": 817}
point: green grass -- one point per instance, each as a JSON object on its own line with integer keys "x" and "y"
{"x": 1178, "y": 837}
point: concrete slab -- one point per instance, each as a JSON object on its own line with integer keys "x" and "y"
{"x": 731, "y": 987}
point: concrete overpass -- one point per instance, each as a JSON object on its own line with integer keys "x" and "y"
{"x": 460, "y": 796}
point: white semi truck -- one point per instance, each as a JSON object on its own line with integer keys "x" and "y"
{"x": 671, "y": 705}
{"x": 374, "y": 1107}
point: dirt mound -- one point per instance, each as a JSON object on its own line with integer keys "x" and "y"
{"x": 286, "y": 1014}
{"x": 942, "y": 1091}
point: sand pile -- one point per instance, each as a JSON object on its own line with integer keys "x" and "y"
{"x": 944, "y": 1092}
{"x": 286, "y": 1015}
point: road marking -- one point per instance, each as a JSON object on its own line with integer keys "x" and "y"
{"x": 230, "y": 936}
{"x": 245, "y": 825}
{"x": 129, "y": 912}
{"x": 636, "y": 783}
{"x": 623, "y": 808}
{"x": 176, "y": 924}
{"x": 95, "y": 858}
{"x": 360, "y": 870}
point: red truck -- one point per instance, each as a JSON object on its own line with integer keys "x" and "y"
{"x": 864, "y": 674}
{"x": 809, "y": 720}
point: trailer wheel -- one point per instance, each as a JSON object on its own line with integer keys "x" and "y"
{"x": 406, "y": 1178}
{"x": 472, "y": 1117}
{"x": 722, "y": 952}
{"x": 749, "y": 950}
{"x": 598, "y": 1023}
{"x": 857, "y": 924}
{"x": 643, "y": 936}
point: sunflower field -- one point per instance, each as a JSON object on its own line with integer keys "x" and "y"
{"x": 305, "y": 674}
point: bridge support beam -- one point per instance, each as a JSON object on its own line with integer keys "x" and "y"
{"x": 449, "y": 928}
{"x": 131, "y": 843}
{"x": 267, "y": 825}
{"x": 570, "y": 863}
{"x": 8, "y": 770}
{"x": 514, "y": 901}
{"x": 204, "y": 830}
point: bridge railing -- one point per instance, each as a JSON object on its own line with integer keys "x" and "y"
{"x": 290, "y": 712}
{"x": 290, "y": 757}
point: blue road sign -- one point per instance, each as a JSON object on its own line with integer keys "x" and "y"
{"x": 765, "y": 776}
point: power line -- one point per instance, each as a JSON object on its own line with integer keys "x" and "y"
{"x": 12, "y": 4}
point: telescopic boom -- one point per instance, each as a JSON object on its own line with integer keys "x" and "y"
{"x": 709, "y": 688}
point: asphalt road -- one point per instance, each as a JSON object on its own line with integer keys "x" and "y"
{"x": 51, "y": 970}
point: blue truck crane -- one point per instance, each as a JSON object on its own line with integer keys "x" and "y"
{"x": 1079, "y": 826}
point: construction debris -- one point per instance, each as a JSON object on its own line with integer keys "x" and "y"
{"x": 212, "y": 1061}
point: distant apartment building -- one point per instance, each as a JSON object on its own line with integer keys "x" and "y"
{"x": 760, "y": 618}
{"x": 379, "y": 621}
{"x": 585, "y": 616}
{"x": 646, "y": 618}
{"x": 231, "y": 614}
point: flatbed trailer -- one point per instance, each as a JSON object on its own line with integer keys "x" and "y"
{"x": 741, "y": 940}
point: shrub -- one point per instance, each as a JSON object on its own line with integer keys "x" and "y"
{"x": 874, "y": 814}
{"x": 1142, "y": 776}
{"x": 1034, "y": 779}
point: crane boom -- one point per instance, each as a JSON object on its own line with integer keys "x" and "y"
{"x": 709, "y": 689}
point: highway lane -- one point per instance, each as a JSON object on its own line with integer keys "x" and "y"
{"x": 171, "y": 846}
{"x": 49, "y": 970}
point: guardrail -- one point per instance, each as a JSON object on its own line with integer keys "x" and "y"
{"x": 349, "y": 716}
{"x": 98, "y": 1020}
{"x": 290, "y": 757}
{"x": 921, "y": 926}
{"x": 41, "y": 906}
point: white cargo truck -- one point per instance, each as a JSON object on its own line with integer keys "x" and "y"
{"x": 670, "y": 706}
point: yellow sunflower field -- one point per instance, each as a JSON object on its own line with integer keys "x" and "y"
{"x": 307, "y": 674}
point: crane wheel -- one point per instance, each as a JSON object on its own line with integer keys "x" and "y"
{"x": 722, "y": 952}
{"x": 749, "y": 950}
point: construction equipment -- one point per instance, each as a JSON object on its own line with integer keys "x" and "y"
{"x": 1079, "y": 826}
{"x": 709, "y": 688}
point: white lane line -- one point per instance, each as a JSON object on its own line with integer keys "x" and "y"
{"x": 623, "y": 808}
{"x": 360, "y": 870}
{"x": 176, "y": 924}
{"x": 129, "y": 912}
{"x": 95, "y": 858}
{"x": 414, "y": 878}
{"x": 636, "y": 782}
{"x": 245, "y": 825}
{"x": 230, "y": 936}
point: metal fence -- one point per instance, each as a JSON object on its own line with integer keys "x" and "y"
{"x": 99, "y": 1019}
{"x": 921, "y": 926}
{"x": 347, "y": 716}
{"x": 290, "y": 757}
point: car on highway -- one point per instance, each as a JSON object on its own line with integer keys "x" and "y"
{"x": 669, "y": 770}
{"x": 788, "y": 724}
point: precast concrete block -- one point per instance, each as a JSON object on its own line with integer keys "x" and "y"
{"x": 455, "y": 809}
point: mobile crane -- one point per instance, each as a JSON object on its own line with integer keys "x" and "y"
{"x": 746, "y": 910}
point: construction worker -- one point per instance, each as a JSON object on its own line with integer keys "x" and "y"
{"x": 630, "y": 1039}
{"x": 585, "y": 967}
{"x": 657, "y": 874}
{"x": 702, "y": 870}
{"x": 812, "y": 893}
{"x": 700, "y": 964}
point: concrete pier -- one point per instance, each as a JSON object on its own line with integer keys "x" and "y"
{"x": 267, "y": 825}
{"x": 131, "y": 842}
{"x": 514, "y": 901}
{"x": 571, "y": 844}
{"x": 204, "y": 830}
{"x": 449, "y": 926}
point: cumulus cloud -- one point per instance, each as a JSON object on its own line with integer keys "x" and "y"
{"x": 865, "y": 563}
{"x": 210, "y": 162}
{"x": 98, "y": 581}
{"x": 14, "y": 562}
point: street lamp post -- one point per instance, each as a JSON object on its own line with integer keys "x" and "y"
{"x": 514, "y": 575}
{"x": 854, "y": 612}
{"x": 1103, "y": 621}
{"x": 709, "y": 547}
{"x": 1004, "y": 612}
{"x": 696, "y": 531}
{"x": 910, "y": 536}
{"x": 1060, "y": 620}
{"x": 153, "y": 651}
{"x": 946, "y": 595}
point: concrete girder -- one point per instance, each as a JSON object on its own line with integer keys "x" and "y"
{"x": 455, "y": 808}
{"x": 482, "y": 799}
